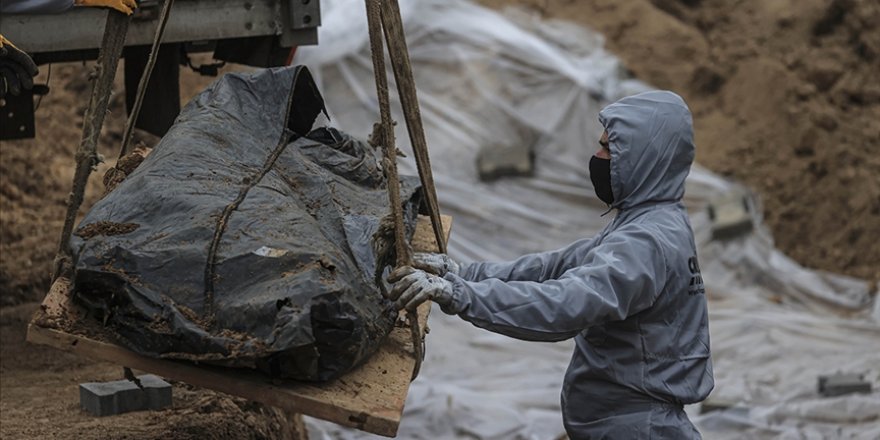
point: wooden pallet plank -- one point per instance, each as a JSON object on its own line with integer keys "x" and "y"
{"x": 370, "y": 397}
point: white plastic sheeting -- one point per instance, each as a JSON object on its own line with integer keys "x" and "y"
{"x": 486, "y": 78}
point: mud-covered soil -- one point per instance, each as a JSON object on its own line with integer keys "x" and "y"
{"x": 105, "y": 228}
{"x": 785, "y": 96}
{"x": 39, "y": 399}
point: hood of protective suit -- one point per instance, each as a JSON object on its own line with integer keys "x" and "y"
{"x": 651, "y": 138}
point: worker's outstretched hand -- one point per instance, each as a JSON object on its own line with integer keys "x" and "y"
{"x": 124, "y": 6}
{"x": 17, "y": 69}
{"x": 412, "y": 287}
{"x": 438, "y": 264}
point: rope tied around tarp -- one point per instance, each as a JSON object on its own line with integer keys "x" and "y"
{"x": 145, "y": 78}
{"x": 87, "y": 158}
{"x": 383, "y": 17}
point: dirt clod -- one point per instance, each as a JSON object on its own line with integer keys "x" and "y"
{"x": 105, "y": 228}
{"x": 124, "y": 167}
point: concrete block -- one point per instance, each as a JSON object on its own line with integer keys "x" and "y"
{"x": 839, "y": 384}
{"x": 713, "y": 403}
{"x": 496, "y": 161}
{"x": 121, "y": 396}
{"x": 730, "y": 214}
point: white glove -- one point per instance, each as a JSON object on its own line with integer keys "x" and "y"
{"x": 412, "y": 287}
{"x": 437, "y": 264}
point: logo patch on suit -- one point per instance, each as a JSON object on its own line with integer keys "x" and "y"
{"x": 696, "y": 285}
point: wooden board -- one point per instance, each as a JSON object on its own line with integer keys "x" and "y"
{"x": 369, "y": 398}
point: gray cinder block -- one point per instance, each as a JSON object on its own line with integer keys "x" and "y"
{"x": 121, "y": 396}
{"x": 730, "y": 214}
{"x": 496, "y": 161}
{"x": 839, "y": 384}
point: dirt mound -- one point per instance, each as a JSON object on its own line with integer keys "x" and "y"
{"x": 35, "y": 178}
{"x": 785, "y": 96}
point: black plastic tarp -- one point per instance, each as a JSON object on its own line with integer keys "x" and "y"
{"x": 246, "y": 239}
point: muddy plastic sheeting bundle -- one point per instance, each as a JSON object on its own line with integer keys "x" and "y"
{"x": 486, "y": 78}
{"x": 246, "y": 238}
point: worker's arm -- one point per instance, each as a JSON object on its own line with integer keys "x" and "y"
{"x": 618, "y": 278}
{"x": 539, "y": 267}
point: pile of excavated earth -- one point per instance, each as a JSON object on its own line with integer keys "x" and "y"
{"x": 786, "y": 99}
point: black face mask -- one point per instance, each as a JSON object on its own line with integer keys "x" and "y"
{"x": 600, "y": 174}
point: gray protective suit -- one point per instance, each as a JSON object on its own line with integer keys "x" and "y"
{"x": 632, "y": 297}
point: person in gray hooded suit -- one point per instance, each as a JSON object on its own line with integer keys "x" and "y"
{"x": 632, "y": 297}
